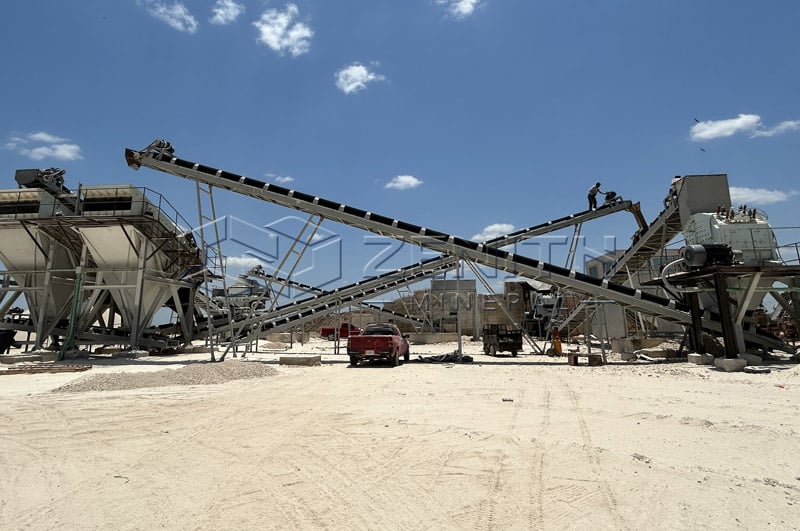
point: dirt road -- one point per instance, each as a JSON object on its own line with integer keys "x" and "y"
{"x": 523, "y": 443}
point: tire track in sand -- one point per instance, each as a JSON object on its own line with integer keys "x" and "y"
{"x": 536, "y": 472}
{"x": 488, "y": 507}
{"x": 270, "y": 486}
{"x": 205, "y": 428}
{"x": 609, "y": 499}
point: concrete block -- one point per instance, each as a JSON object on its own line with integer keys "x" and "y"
{"x": 627, "y": 356}
{"x": 730, "y": 365}
{"x": 701, "y": 359}
{"x": 286, "y": 337}
{"x": 308, "y": 361}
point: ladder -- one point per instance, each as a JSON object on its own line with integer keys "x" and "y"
{"x": 213, "y": 263}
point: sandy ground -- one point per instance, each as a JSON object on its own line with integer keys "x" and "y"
{"x": 502, "y": 443}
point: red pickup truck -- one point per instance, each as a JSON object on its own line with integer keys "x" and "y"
{"x": 379, "y": 341}
{"x": 345, "y": 330}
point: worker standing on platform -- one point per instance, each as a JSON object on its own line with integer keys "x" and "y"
{"x": 673, "y": 190}
{"x": 593, "y": 191}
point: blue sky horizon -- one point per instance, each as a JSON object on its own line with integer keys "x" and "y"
{"x": 471, "y": 117}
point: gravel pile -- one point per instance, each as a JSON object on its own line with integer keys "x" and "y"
{"x": 194, "y": 374}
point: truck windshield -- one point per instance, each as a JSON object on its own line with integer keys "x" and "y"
{"x": 378, "y": 331}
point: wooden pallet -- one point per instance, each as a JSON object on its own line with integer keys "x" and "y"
{"x": 44, "y": 367}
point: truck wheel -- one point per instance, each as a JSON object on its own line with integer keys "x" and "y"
{"x": 353, "y": 361}
{"x": 395, "y": 359}
{"x": 514, "y": 353}
{"x": 407, "y": 355}
{"x": 486, "y": 350}
{"x": 493, "y": 351}
{"x": 331, "y": 337}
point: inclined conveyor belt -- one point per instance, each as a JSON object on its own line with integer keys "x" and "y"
{"x": 451, "y": 245}
{"x": 319, "y": 292}
{"x": 327, "y": 301}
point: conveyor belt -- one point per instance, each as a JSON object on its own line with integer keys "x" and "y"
{"x": 447, "y": 262}
{"x": 318, "y": 292}
{"x": 447, "y": 244}
{"x": 327, "y": 301}
{"x": 558, "y": 224}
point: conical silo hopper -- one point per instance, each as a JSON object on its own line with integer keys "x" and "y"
{"x": 42, "y": 268}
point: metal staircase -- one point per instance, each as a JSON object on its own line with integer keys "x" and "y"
{"x": 646, "y": 245}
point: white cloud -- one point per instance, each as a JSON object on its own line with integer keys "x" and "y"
{"x": 176, "y": 15}
{"x": 744, "y": 123}
{"x": 758, "y": 196}
{"x": 54, "y": 151}
{"x": 54, "y": 146}
{"x": 278, "y": 30}
{"x": 355, "y": 77}
{"x": 226, "y": 11}
{"x": 493, "y": 231}
{"x": 460, "y": 8}
{"x": 47, "y": 138}
{"x": 404, "y": 182}
{"x": 711, "y": 129}
{"x": 282, "y": 179}
{"x": 783, "y": 127}
{"x": 14, "y": 142}
{"x": 243, "y": 262}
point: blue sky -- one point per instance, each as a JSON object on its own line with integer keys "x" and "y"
{"x": 466, "y": 116}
